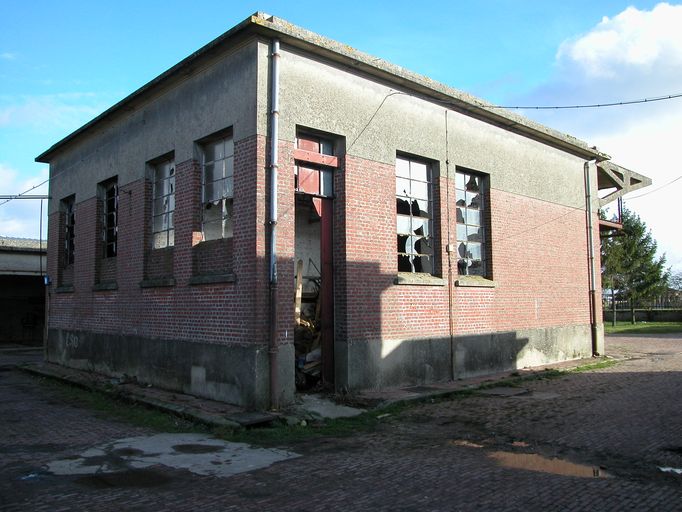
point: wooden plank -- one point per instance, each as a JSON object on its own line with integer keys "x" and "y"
{"x": 299, "y": 291}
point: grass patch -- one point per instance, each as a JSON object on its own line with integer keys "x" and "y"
{"x": 643, "y": 328}
{"x": 111, "y": 407}
{"x": 605, "y": 363}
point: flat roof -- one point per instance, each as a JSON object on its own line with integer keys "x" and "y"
{"x": 272, "y": 27}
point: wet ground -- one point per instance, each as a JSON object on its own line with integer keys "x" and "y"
{"x": 609, "y": 439}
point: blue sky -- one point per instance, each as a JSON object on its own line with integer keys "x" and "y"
{"x": 62, "y": 63}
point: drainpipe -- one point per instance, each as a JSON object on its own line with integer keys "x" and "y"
{"x": 272, "y": 223}
{"x": 590, "y": 252}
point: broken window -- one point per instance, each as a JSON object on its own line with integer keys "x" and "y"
{"x": 470, "y": 191}
{"x": 217, "y": 187}
{"x": 69, "y": 229}
{"x": 414, "y": 215}
{"x": 163, "y": 232}
{"x": 109, "y": 197}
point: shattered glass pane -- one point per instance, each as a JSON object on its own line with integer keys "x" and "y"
{"x": 421, "y": 208}
{"x": 460, "y": 215}
{"x": 420, "y": 226}
{"x": 404, "y": 264}
{"x": 476, "y": 268}
{"x": 474, "y": 251}
{"x": 423, "y": 264}
{"x": 473, "y": 233}
{"x": 461, "y": 198}
{"x": 473, "y": 183}
{"x": 402, "y": 243}
{"x": 402, "y": 187}
{"x": 402, "y": 206}
{"x": 473, "y": 200}
{"x": 422, "y": 246}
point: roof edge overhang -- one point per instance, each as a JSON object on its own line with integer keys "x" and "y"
{"x": 613, "y": 176}
{"x": 421, "y": 86}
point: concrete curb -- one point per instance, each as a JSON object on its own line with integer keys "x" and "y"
{"x": 124, "y": 392}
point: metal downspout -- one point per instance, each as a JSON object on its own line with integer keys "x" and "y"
{"x": 590, "y": 252}
{"x": 272, "y": 223}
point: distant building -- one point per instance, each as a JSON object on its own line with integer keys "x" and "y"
{"x": 22, "y": 292}
{"x": 279, "y": 209}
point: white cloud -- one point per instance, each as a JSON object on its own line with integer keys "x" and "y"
{"x": 648, "y": 41}
{"x": 636, "y": 54}
{"x": 8, "y": 56}
{"x": 21, "y": 217}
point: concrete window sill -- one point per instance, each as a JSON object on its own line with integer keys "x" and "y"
{"x": 418, "y": 279}
{"x": 157, "y": 282}
{"x": 103, "y": 287}
{"x": 213, "y": 279}
{"x": 64, "y": 288}
{"x": 475, "y": 282}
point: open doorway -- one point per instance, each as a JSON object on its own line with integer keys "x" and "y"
{"x": 313, "y": 306}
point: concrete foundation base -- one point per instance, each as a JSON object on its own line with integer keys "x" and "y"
{"x": 233, "y": 373}
{"x": 383, "y": 363}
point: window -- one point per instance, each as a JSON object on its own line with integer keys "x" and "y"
{"x": 69, "y": 229}
{"x": 109, "y": 195}
{"x": 315, "y": 163}
{"x": 414, "y": 209}
{"x": 217, "y": 178}
{"x": 163, "y": 233}
{"x": 471, "y": 205}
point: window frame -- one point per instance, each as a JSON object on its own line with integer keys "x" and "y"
{"x": 472, "y": 229}
{"x": 165, "y": 196}
{"x": 226, "y": 199}
{"x": 409, "y": 242}
{"x": 68, "y": 208}
{"x": 109, "y": 195}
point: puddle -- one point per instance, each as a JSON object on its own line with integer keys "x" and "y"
{"x": 197, "y": 448}
{"x": 535, "y": 462}
{"x": 138, "y": 461}
{"x": 140, "y": 478}
{"x": 676, "y": 471}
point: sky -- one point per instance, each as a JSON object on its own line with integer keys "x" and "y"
{"x": 62, "y": 63}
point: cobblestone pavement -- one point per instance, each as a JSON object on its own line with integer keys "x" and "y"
{"x": 615, "y": 426}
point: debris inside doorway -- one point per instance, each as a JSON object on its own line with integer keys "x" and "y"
{"x": 308, "y": 332}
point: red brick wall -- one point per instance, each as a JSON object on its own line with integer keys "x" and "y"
{"x": 539, "y": 257}
{"x": 219, "y": 312}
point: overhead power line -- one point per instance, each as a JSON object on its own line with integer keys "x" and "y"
{"x": 654, "y": 190}
{"x": 590, "y": 105}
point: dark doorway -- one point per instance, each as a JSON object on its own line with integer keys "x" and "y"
{"x": 314, "y": 309}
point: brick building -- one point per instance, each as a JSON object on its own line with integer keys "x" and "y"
{"x": 279, "y": 208}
